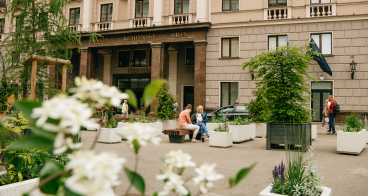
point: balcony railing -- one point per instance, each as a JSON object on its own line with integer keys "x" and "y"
{"x": 140, "y": 22}
{"x": 76, "y": 27}
{"x": 277, "y": 13}
{"x": 2, "y": 3}
{"x": 321, "y": 10}
{"x": 104, "y": 26}
{"x": 2, "y": 36}
{"x": 180, "y": 19}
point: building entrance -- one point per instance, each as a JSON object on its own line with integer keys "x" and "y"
{"x": 320, "y": 92}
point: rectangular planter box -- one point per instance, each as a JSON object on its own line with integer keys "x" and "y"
{"x": 351, "y": 142}
{"x": 221, "y": 139}
{"x": 366, "y": 135}
{"x": 212, "y": 126}
{"x": 108, "y": 135}
{"x": 168, "y": 124}
{"x": 290, "y": 134}
{"x": 325, "y": 191}
{"x": 21, "y": 187}
{"x": 314, "y": 132}
{"x": 261, "y": 130}
{"x": 242, "y": 133}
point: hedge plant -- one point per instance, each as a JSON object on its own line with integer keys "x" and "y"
{"x": 165, "y": 109}
{"x": 282, "y": 75}
{"x": 259, "y": 108}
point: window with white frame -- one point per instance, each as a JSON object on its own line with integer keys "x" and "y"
{"x": 106, "y": 12}
{"x": 230, "y": 47}
{"x": 320, "y": 1}
{"x": 276, "y": 41}
{"x": 228, "y": 5}
{"x": 277, "y": 3}
{"x": 229, "y": 93}
{"x": 181, "y": 6}
{"x": 324, "y": 42}
{"x": 141, "y": 8}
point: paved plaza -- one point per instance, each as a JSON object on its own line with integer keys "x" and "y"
{"x": 345, "y": 174}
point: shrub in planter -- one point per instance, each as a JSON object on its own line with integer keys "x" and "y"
{"x": 221, "y": 136}
{"x": 352, "y": 139}
{"x": 282, "y": 75}
{"x": 165, "y": 109}
{"x": 242, "y": 129}
{"x": 259, "y": 113}
{"x": 108, "y": 134}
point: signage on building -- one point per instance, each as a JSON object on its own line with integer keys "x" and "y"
{"x": 138, "y": 37}
{"x": 139, "y": 70}
{"x": 178, "y": 34}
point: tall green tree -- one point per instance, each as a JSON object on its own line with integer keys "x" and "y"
{"x": 38, "y": 27}
{"x": 165, "y": 100}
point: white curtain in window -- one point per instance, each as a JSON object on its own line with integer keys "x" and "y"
{"x": 225, "y": 47}
{"x": 225, "y": 4}
{"x": 109, "y": 17}
{"x": 225, "y": 94}
{"x": 145, "y": 8}
{"x": 138, "y": 9}
{"x": 325, "y": 1}
{"x": 103, "y": 13}
{"x": 316, "y": 39}
{"x": 234, "y": 47}
{"x": 235, "y": 4}
{"x": 326, "y": 44}
{"x": 271, "y": 43}
{"x": 282, "y": 40}
{"x": 77, "y": 16}
{"x": 185, "y": 6}
{"x": 315, "y": 1}
{"x": 177, "y": 6}
{"x": 71, "y": 17}
{"x": 234, "y": 92}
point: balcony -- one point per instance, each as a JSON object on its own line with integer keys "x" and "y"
{"x": 178, "y": 19}
{"x": 2, "y": 36}
{"x": 2, "y": 4}
{"x": 321, "y": 10}
{"x": 277, "y": 13}
{"x": 75, "y": 27}
{"x": 104, "y": 26}
{"x": 140, "y": 22}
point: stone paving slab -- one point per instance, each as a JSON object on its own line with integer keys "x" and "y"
{"x": 345, "y": 174}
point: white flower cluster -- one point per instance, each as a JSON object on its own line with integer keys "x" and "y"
{"x": 176, "y": 162}
{"x": 142, "y": 133}
{"x": 206, "y": 175}
{"x": 98, "y": 93}
{"x": 69, "y": 114}
{"x": 93, "y": 175}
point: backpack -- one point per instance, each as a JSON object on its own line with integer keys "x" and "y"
{"x": 336, "y": 108}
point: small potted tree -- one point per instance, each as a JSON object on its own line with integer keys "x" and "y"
{"x": 165, "y": 108}
{"x": 352, "y": 138}
{"x": 221, "y": 136}
{"x": 242, "y": 130}
{"x": 259, "y": 113}
{"x": 282, "y": 75}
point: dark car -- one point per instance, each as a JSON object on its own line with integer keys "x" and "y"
{"x": 230, "y": 111}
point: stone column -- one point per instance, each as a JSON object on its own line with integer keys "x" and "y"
{"x": 173, "y": 70}
{"x": 201, "y": 14}
{"x": 83, "y": 63}
{"x": 107, "y": 69}
{"x": 157, "y": 65}
{"x": 199, "y": 72}
{"x": 157, "y": 12}
{"x": 87, "y": 15}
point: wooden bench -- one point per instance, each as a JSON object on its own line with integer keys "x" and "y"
{"x": 178, "y": 135}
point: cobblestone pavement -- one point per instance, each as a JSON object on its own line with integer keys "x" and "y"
{"x": 346, "y": 174}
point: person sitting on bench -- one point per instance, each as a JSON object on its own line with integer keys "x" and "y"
{"x": 186, "y": 123}
{"x": 200, "y": 119}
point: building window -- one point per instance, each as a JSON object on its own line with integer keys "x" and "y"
{"x": 2, "y": 25}
{"x": 15, "y": 59}
{"x": 276, "y": 41}
{"x": 141, "y": 8}
{"x": 324, "y": 42}
{"x": 181, "y": 6}
{"x": 230, "y": 5}
{"x": 230, "y": 47}
{"x": 106, "y": 12}
{"x": 139, "y": 58}
{"x": 124, "y": 58}
{"x": 150, "y": 58}
{"x": 277, "y": 3}
{"x": 74, "y": 16}
{"x": 229, "y": 93}
{"x": 320, "y": 1}
{"x": 189, "y": 56}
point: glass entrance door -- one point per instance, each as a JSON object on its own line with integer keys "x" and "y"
{"x": 320, "y": 92}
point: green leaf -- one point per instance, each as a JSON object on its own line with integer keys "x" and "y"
{"x": 240, "y": 176}
{"x": 68, "y": 192}
{"x": 49, "y": 169}
{"x": 136, "y": 146}
{"x": 151, "y": 91}
{"x": 132, "y": 100}
{"x": 136, "y": 180}
{"x": 42, "y": 132}
{"x": 155, "y": 194}
{"x": 31, "y": 142}
{"x": 26, "y": 107}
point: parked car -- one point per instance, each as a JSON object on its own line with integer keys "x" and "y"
{"x": 230, "y": 111}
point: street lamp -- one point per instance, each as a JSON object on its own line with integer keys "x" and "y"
{"x": 353, "y": 68}
{"x": 322, "y": 78}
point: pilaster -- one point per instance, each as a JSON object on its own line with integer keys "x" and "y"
{"x": 200, "y": 72}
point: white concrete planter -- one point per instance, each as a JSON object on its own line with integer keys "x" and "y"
{"x": 108, "y": 135}
{"x": 19, "y": 188}
{"x": 314, "y": 132}
{"x": 351, "y": 142}
{"x": 366, "y": 135}
{"x": 261, "y": 130}
{"x": 212, "y": 126}
{"x": 243, "y": 133}
{"x": 221, "y": 139}
{"x": 325, "y": 191}
{"x": 168, "y": 124}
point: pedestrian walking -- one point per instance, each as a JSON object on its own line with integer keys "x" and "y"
{"x": 324, "y": 114}
{"x": 331, "y": 115}
{"x": 125, "y": 109}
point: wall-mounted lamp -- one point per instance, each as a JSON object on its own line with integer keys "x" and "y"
{"x": 352, "y": 67}
{"x": 251, "y": 73}
{"x": 131, "y": 63}
{"x": 322, "y": 78}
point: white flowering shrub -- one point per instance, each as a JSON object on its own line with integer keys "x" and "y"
{"x": 58, "y": 120}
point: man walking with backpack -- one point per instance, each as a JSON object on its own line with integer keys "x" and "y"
{"x": 332, "y": 108}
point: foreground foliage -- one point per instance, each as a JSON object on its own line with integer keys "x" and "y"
{"x": 353, "y": 123}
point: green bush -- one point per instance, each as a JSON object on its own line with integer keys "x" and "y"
{"x": 258, "y": 108}
{"x": 165, "y": 109}
{"x": 283, "y": 75}
{"x": 240, "y": 121}
{"x": 353, "y": 123}
{"x": 221, "y": 128}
